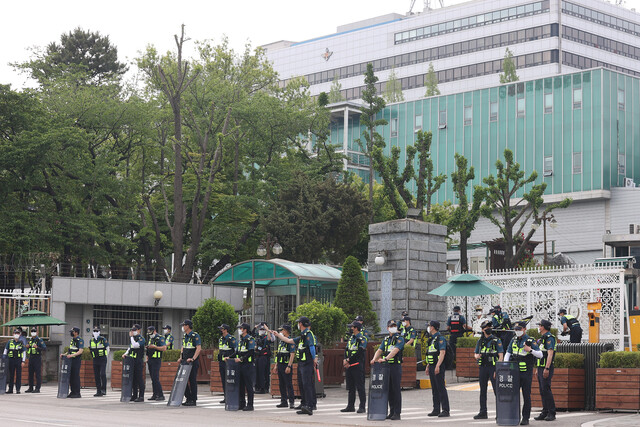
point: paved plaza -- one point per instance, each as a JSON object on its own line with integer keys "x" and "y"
{"x": 45, "y": 409}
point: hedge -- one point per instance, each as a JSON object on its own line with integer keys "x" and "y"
{"x": 117, "y": 355}
{"x": 467, "y": 342}
{"x": 171, "y": 355}
{"x": 568, "y": 360}
{"x": 86, "y": 353}
{"x": 620, "y": 359}
{"x": 533, "y": 333}
{"x": 408, "y": 351}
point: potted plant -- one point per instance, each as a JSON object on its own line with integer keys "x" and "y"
{"x": 116, "y": 370}
{"x": 168, "y": 368}
{"x": 567, "y": 384}
{"x": 466, "y": 363}
{"x": 618, "y": 381}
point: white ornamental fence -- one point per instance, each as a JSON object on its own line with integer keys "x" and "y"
{"x": 542, "y": 293}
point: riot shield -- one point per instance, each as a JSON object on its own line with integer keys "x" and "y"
{"x": 3, "y": 375}
{"x": 179, "y": 385}
{"x": 378, "y": 392}
{"x": 232, "y": 387}
{"x": 507, "y": 393}
{"x": 127, "y": 379}
{"x": 64, "y": 378}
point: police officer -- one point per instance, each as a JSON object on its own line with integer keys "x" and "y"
{"x": 354, "y": 358}
{"x": 365, "y": 332}
{"x": 307, "y": 362}
{"x": 136, "y": 352}
{"x": 155, "y": 348}
{"x": 246, "y": 370}
{"x": 99, "y": 347}
{"x": 488, "y": 351}
{"x": 456, "y": 325}
{"x": 500, "y": 318}
{"x": 390, "y": 351}
{"x": 478, "y": 321}
{"x": 409, "y": 333}
{"x": 283, "y": 368}
{"x": 168, "y": 338}
{"x": 545, "y": 371}
{"x": 399, "y": 323}
{"x": 436, "y": 352}
{"x": 570, "y": 325}
{"x": 263, "y": 358}
{"x": 14, "y": 350}
{"x": 76, "y": 347}
{"x": 226, "y": 349}
{"x": 190, "y": 353}
{"x": 35, "y": 347}
{"x": 523, "y": 350}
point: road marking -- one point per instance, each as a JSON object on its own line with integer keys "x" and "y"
{"x": 49, "y": 423}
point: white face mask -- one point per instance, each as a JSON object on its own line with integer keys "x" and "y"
{"x": 184, "y": 330}
{"x": 96, "y": 334}
{"x": 404, "y": 323}
{"x": 299, "y": 327}
{"x": 262, "y": 333}
{"x": 33, "y": 334}
{"x": 519, "y": 333}
{"x": 478, "y": 313}
{"x": 135, "y": 333}
{"x": 165, "y": 331}
{"x": 393, "y": 330}
{"x": 16, "y": 336}
{"x": 540, "y": 330}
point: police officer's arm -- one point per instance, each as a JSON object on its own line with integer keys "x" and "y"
{"x": 161, "y": 347}
{"x": 534, "y": 349}
{"x": 42, "y": 345}
{"x": 565, "y": 327}
{"x": 476, "y": 352}
{"x": 376, "y": 356}
{"x": 443, "y": 351}
{"x": 412, "y": 335}
{"x": 549, "y": 346}
{"x": 280, "y": 336}
{"x": 507, "y": 355}
{"x": 500, "y": 350}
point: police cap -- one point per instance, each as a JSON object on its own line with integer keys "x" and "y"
{"x": 405, "y": 313}
{"x": 34, "y": 329}
{"x": 136, "y": 327}
{"x": 75, "y": 329}
{"x": 391, "y": 322}
{"x": 286, "y": 327}
{"x": 187, "y": 322}
{"x": 96, "y": 328}
{"x": 16, "y": 331}
{"x": 356, "y": 325}
{"x": 359, "y": 319}
{"x": 486, "y": 323}
{"x": 406, "y": 318}
{"x": 562, "y": 311}
{"x": 456, "y": 308}
{"x": 167, "y": 327}
{"x": 519, "y": 326}
{"x": 304, "y": 320}
{"x": 225, "y": 327}
{"x": 151, "y": 328}
{"x": 435, "y": 324}
{"x": 545, "y": 324}
{"x": 244, "y": 326}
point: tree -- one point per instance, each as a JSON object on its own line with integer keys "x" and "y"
{"x": 335, "y": 93}
{"x": 508, "y": 74}
{"x": 209, "y": 316}
{"x": 499, "y": 191}
{"x": 431, "y": 82}
{"x": 327, "y": 323}
{"x": 427, "y": 184}
{"x": 323, "y": 99}
{"x": 352, "y": 295}
{"x": 370, "y": 137}
{"x": 393, "y": 89}
{"x": 464, "y": 219}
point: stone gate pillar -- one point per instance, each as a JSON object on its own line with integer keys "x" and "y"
{"x": 415, "y": 263}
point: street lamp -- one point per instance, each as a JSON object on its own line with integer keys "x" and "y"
{"x": 268, "y": 246}
{"x": 546, "y": 217}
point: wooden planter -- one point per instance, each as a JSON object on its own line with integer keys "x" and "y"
{"x": 332, "y": 367}
{"x": 409, "y": 372}
{"x": 618, "y": 388}
{"x": 274, "y": 389}
{"x": 466, "y": 363}
{"x": 215, "y": 383}
{"x": 205, "y": 368}
{"x": 567, "y": 387}
{"x": 116, "y": 375}
{"x": 168, "y": 372}
{"x": 87, "y": 378}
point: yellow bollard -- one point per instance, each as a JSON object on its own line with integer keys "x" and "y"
{"x": 594, "y": 320}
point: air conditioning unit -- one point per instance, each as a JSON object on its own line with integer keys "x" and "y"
{"x": 634, "y": 228}
{"x": 628, "y": 182}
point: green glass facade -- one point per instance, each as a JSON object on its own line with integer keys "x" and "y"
{"x": 579, "y": 131}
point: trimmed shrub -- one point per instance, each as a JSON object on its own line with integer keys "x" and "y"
{"x": 533, "y": 333}
{"x": 170, "y": 355}
{"x": 408, "y": 351}
{"x": 620, "y": 359}
{"x": 86, "y": 353}
{"x": 211, "y": 314}
{"x": 467, "y": 342}
{"x": 352, "y": 295}
{"x": 117, "y": 355}
{"x": 328, "y": 323}
{"x": 568, "y": 360}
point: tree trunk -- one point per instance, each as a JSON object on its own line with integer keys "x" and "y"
{"x": 464, "y": 260}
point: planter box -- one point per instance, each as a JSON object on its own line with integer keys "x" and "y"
{"x": 409, "y": 372}
{"x": 274, "y": 388}
{"x": 87, "y": 379}
{"x": 332, "y": 367}
{"x": 204, "y": 368}
{"x": 466, "y": 364}
{"x": 168, "y": 372}
{"x": 116, "y": 375}
{"x": 215, "y": 383}
{"x": 618, "y": 388}
{"x": 567, "y": 387}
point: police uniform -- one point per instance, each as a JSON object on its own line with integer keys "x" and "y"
{"x": 15, "y": 352}
{"x": 547, "y": 342}
{"x": 35, "y": 348}
{"x": 226, "y": 348}
{"x": 575, "y": 330}
{"x": 246, "y": 370}
{"x": 409, "y": 333}
{"x": 75, "y": 345}
{"x": 263, "y": 357}
{"x": 154, "y": 361}
{"x": 438, "y": 389}
{"x": 489, "y": 348}
{"x": 395, "y": 371}
{"x": 354, "y": 354}
{"x": 190, "y": 342}
{"x": 168, "y": 338}
{"x": 306, "y": 354}
{"x": 456, "y": 324}
{"x": 98, "y": 347}
{"x": 136, "y": 352}
{"x": 526, "y": 361}
{"x": 285, "y": 381}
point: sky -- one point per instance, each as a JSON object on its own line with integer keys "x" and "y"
{"x": 134, "y": 24}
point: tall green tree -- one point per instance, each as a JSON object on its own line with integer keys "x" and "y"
{"x": 427, "y": 183}
{"x": 508, "y": 74}
{"x": 335, "y": 93}
{"x": 393, "y": 89}
{"x": 431, "y": 82}
{"x": 509, "y": 215}
{"x": 352, "y": 295}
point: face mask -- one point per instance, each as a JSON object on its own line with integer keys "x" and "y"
{"x": 478, "y": 313}
{"x": 16, "y": 336}
{"x": 404, "y": 323}
{"x": 165, "y": 331}
{"x": 184, "y": 330}
{"x": 135, "y": 333}
{"x": 540, "y": 331}
{"x": 263, "y": 333}
{"x": 71, "y": 334}
{"x": 393, "y": 330}
{"x": 488, "y": 331}
{"x": 519, "y": 333}
{"x": 33, "y": 334}
{"x": 96, "y": 334}
{"x": 299, "y": 327}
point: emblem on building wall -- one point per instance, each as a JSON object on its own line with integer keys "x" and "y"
{"x": 327, "y": 54}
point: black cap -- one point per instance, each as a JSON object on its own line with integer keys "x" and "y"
{"x": 151, "y": 328}
{"x": 497, "y": 307}
{"x": 359, "y": 319}
{"x": 486, "y": 323}
{"x": 136, "y": 327}
{"x": 19, "y": 328}
{"x": 456, "y": 307}
{"x": 562, "y": 311}
{"x": 405, "y": 313}
{"x": 391, "y": 322}
{"x": 167, "y": 327}
{"x": 225, "y": 327}
{"x": 16, "y": 330}
{"x": 492, "y": 310}
{"x": 286, "y": 327}
{"x": 520, "y": 325}
{"x": 355, "y": 324}
{"x": 244, "y": 326}
{"x": 34, "y": 329}
{"x": 187, "y": 322}
{"x": 545, "y": 323}
{"x": 406, "y": 318}
{"x": 262, "y": 326}
{"x": 435, "y": 324}
{"x": 304, "y": 320}
{"x": 75, "y": 329}
{"x": 96, "y": 328}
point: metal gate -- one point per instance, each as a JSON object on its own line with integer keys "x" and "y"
{"x": 14, "y": 302}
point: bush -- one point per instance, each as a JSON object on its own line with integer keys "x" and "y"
{"x": 117, "y": 355}
{"x": 211, "y": 314}
{"x": 352, "y": 295}
{"x": 328, "y": 323}
{"x": 86, "y": 353}
{"x": 568, "y": 360}
{"x": 408, "y": 351}
{"x": 533, "y": 333}
{"x": 467, "y": 342}
{"x": 620, "y": 359}
{"x": 170, "y": 355}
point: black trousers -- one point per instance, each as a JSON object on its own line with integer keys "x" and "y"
{"x": 191, "y": 392}
{"x": 525, "y": 385}
{"x": 74, "y": 375}
{"x": 548, "y": 403}
{"x": 247, "y": 376}
{"x": 453, "y": 340}
{"x": 35, "y": 370}
{"x": 355, "y": 382}
{"x": 15, "y": 373}
{"x": 307, "y": 386}
{"x": 285, "y": 381}
{"x": 100, "y": 373}
{"x": 262, "y": 373}
{"x": 222, "y": 368}
{"x": 395, "y": 391}
{"x": 154, "y": 373}
{"x": 137, "y": 387}
{"x": 575, "y": 335}
{"x": 438, "y": 389}
{"x": 486, "y": 375}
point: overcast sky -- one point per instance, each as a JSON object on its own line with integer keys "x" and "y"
{"x": 133, "y": 24}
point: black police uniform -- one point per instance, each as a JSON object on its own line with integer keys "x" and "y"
{"x": 138, "y": 384}
{"x": 306, "y": 368}
{"x": 547, "y": 342}
{"x": 154, "y": 361}
{"x": 456, "y": 323}
{"x": 395, "y": 371}
{"x": 168, "y": 340}
{"x": 98, "y": 347}
{"x": 575, "y": 330}
{"x": 354, "y": 354}
{"x": 489, "y": 349}
{"x": 285, "y": 381}
{"x": 226, "y": 348}
{"x": 76, "y": 362}
{"x": 263, "y": 357}
{"x": 247, "y": 370}
{"x": 189, "y": 343}
{"x": 438, "y": 389}
{"x": 34, "y": 351}
{"x": 526, "y": 362}
{"x": 15, "y": 354}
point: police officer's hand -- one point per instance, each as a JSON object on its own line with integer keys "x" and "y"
{"x": 238, "y": 360}
{"x": 545, "y": 374}
{"x": 125, "y": 355}
{"x": 315, "y": 362}
{"x": 179, "y": 360}
{"x": 274, "y": 370}
{"x": 287, "y": 370}
{"x": 437, "y": 370}
{"x": 527, "y": 348}
{"x": 24, "y": 363}
{"x": 345, "y": 363}
{"x": 375, "y": 361}
{"x": 69, "y": 356}
{"x": 477, "y": 356}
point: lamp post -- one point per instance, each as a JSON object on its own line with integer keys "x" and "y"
{"x": 268, "y": 246}
{"x": 546, "y": 217}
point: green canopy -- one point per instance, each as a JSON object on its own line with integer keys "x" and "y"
{"x": 34, "y": 318}
{"x": 466, "y": 285}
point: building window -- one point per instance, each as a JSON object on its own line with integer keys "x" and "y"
{"x": 548, "y": 166}
{"x": 394, "y": 127}
{"x": 442, "y": 119}
{"x": 620, "y": 99}
{"x": 548, "y": 103}
{"x": 468, "y": 115}
{"x": 418, "y": 122}
{"x": 116, "y": 321}
{"x": 622, "y": 164}
{"x": 577, "y": 98}
{"x": 577, "y": 163}
{"x": 520, "y": 107}
{"x": 493, "y": 111}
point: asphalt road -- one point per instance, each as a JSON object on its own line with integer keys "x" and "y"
{"x": 45, "y": 409}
